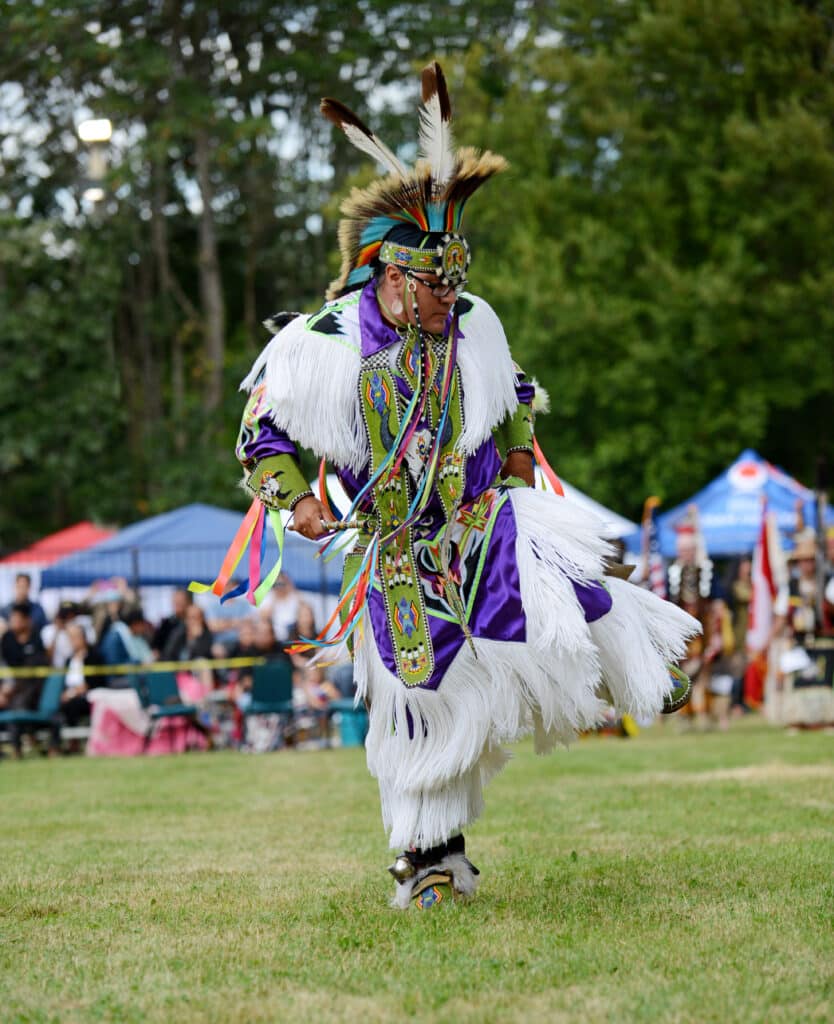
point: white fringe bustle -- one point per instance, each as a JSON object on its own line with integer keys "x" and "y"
{"x": 431, "y": 784}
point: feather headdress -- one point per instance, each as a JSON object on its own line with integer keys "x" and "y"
{"x": 430, "y": 196}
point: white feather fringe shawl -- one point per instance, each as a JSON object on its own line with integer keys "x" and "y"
{"x": 312, "y": 383}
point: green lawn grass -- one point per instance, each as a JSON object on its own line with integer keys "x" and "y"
{"x": 666, "y": 878}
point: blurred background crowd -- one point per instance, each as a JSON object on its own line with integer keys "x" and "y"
{"x": 98, "y": 642}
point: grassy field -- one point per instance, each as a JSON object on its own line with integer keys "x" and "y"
{"x": 667, "y": 878}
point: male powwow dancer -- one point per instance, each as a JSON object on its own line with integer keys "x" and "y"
{"x": 477, "y": 609}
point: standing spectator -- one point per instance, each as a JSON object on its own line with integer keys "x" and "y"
{"x": 828, "y": 593}
{"x": 742, "y": 595}
{"x": 718, "y": 660}
{"x": 22, "y": 596}
{"x": 181, "y": 601}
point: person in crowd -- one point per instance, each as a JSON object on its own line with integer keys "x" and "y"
{"x": 244, "y": 646}
{"x": 181, "y": 601}
{"x": 191, "y": 639}
{"x": 55, "y": 637}
{"x": 741, "y": 595}
{"x": 125, "y": 640}
{"x": 224, "y": 619}
{"x": 75, "y": 708}
{"x": 21, "y": 647}
{"x": 828, "y": 593}
{"x": 266, "y": 643}
{"x": 312, "y": 693}
{"x": 304, "y": 628}
{"x": 803, "y": 612}
{"x": 23, "y": 596}
{"x": 690, "y": 587}
{"x": 718, "y": 653}
{"x": 282, "y": 607}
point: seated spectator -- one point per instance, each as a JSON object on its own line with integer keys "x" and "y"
{"x": 22, "y": 596}
{"x": 316, "y": 690}
{"x": 304, "y": 628}
{"x": 182, "y": 600}
{"x": 282, "y": 606}
{"x": 54, "y": 635}
{"x": 244, "y": 646}
{"x": 312, "y": 692}
{"x": 75, "y": 707}
{"x": 124, "y": 641}
{"x": 191, "y": 639}
{"x": 21, "y": 647}
{"x": 225, "y": 618}
{"x": 266, "y": 643}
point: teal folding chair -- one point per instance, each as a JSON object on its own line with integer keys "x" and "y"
{"x": 160, "y": 697}
{"x": 272, "y": 691}
{"x": 46, "y": 716}
{"x": 353, "y": 722}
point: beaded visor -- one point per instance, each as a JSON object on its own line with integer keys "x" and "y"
{"x": 449, "y": 259}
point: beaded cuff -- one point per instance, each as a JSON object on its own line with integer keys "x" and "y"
{"x": 277, "y": 481}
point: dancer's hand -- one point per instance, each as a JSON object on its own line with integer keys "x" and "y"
{"x": 308, "y": 518}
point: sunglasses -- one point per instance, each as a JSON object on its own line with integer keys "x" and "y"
{"x": 440, "y": 291}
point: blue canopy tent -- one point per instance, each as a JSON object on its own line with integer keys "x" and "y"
{"x": 187, "y": 544}
{"x": 730, "y": 509}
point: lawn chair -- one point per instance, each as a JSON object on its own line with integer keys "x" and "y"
{"x": 353, "y": 722}
{"x": 271, "y": 691}
{"x": 160, "y": 697}
{"x": 46, "y": 717}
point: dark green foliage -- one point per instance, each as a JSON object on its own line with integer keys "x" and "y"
{"x": 659, "y": 251}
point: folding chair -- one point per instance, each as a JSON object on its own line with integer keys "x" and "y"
{"x": 354, "y": 722}
{"x": 49, "y": 704}
{"x": 160, "y": 697}
{"x": 271, "y": 691}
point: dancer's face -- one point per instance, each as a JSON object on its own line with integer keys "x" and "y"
{"x": 434, "y": 309}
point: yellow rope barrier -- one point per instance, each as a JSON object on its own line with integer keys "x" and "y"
{"x": 126, "y": 670}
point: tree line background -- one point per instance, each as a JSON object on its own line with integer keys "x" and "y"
{"x": 660, "y": 251}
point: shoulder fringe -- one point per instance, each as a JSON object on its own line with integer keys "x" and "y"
{"x": 487, "y": 374}
{"x": 311, "y": 386}
{"x": 251, "y": 378}
{"x": 551, "y": 686}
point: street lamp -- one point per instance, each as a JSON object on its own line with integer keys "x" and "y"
{"x": 96, "y": 132}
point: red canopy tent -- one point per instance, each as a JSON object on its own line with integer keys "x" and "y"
{"x": 44, "y": 552}
{"x": 57, "y": 545}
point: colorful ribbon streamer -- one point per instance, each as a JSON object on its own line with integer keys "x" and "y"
{"x": 252, "y": 532}
{"x": 546, "y": 469}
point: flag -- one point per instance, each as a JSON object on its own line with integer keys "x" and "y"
{"x": 655, "y": 570}
{"x": 769, "y": 577}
